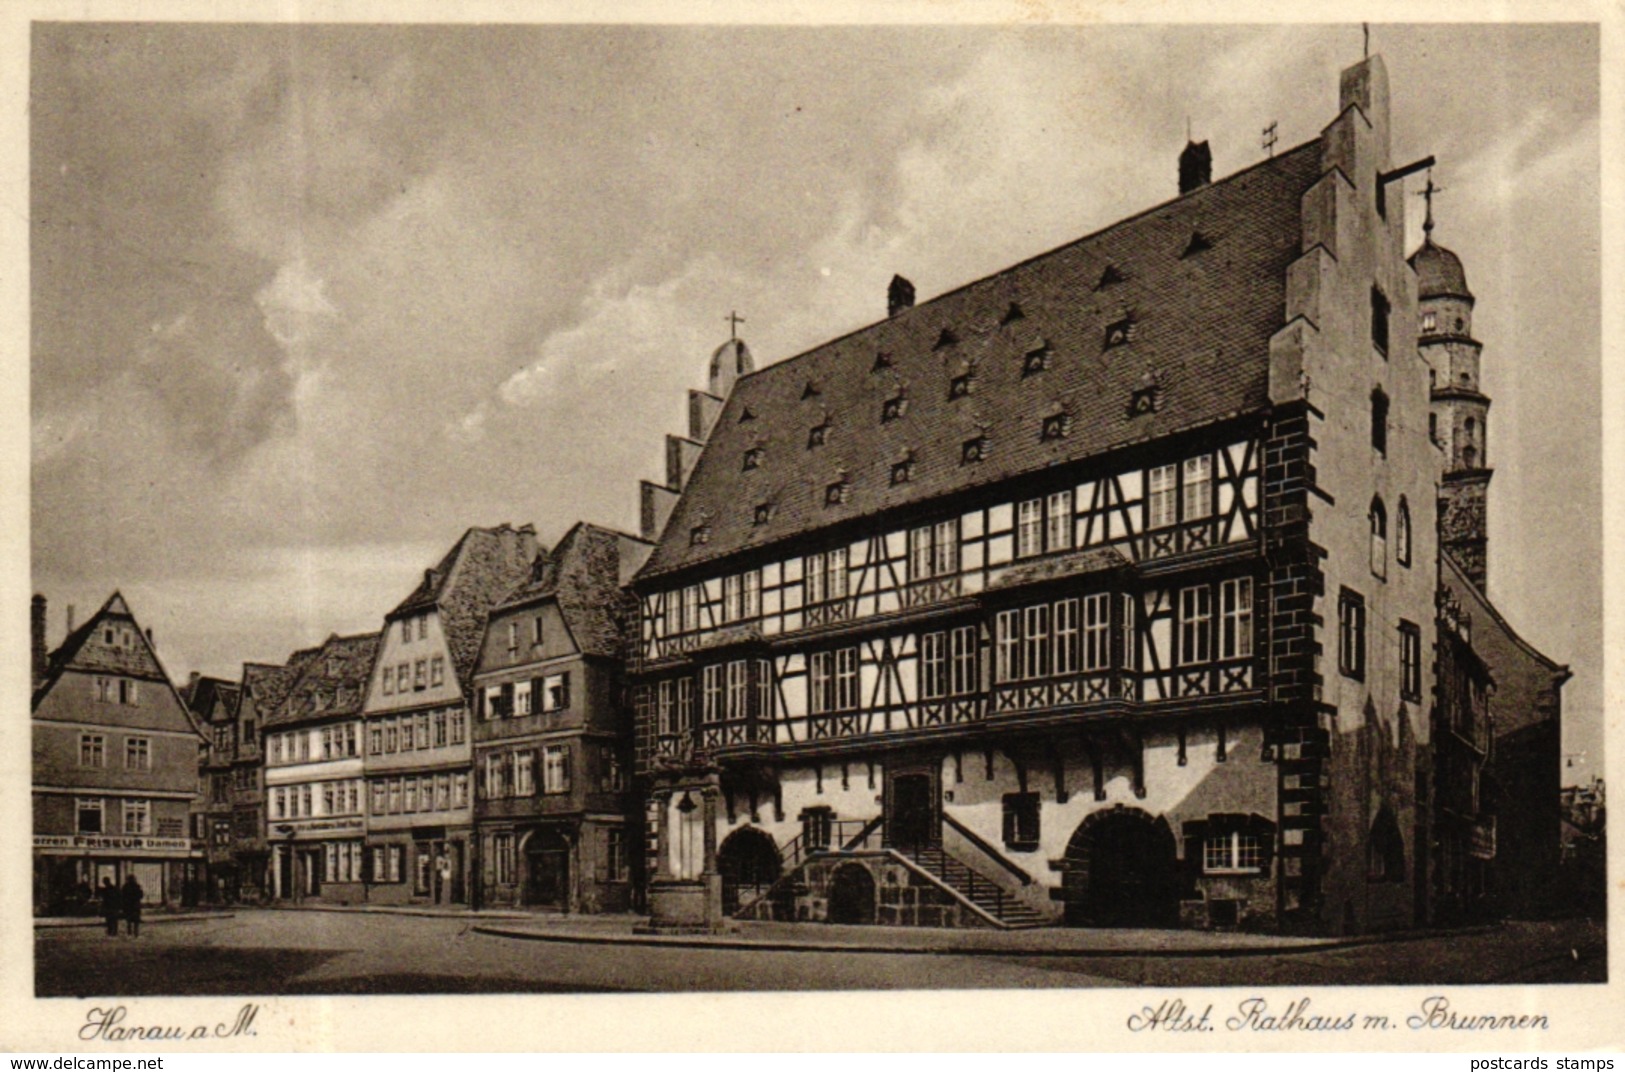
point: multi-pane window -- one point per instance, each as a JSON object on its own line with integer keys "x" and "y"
{"x": 459, "y": 726}
{"x": 685, "y": 704}
{"x": 437, "y": 670}
{"x": 524, "y": 774}
{"x": 933, "y": 550}
{"x": 1035, "y": 650}
{"x": 1198, "y": 487}
{"x": 1044, "y": 524}
{"x": 964, "y": 660}
{"x": 513, "y": 638}
{"x": 1351, "y": 634}
{"x": 1195, "y": 624}
{"x": 663, "y": 707}
{"x": 1236, "y": 618}
{"x": 826, "y": 576}
{"x": 495, "y": 775}
{"x": 615, "y": 868}
{"x": 1066, "y": 636}
{"x": 556, "y": 768}
{"x": 420, "y": 674}
{"x": 92, "y": 750}
{"x": 556, "y": 692}
{"x": 502, "y": 859}
{"x": 138, "y": 817}
{"x": 689, "y": 619}
{"x": 1007, "y": 646}
{"x": 380, "y": 798}
{"x": 833, "y": 681}
{"x": 933, "y": 666}
{"x": 459, "y": 790}
{"x": 730, "y": 598}
{"x": 1161, "y": 499}
{"x": 104, "y": 690}
{"x": 1410, "y": 661}
{"x": 1097, "y": 653}
{"x": 521, "y": 698}
{"x": 128, "y": 692}
{"x": 90, "y": 816}
{"x": 1234, "y": 851}
{"x": 386, "y": 680}
{"x": 711, "y": 703}
{"x": 1021, "y": 812}
{"x": 738, "y": 697}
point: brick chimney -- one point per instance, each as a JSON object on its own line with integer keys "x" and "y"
{"x": 38, "y": 655}
{"x": 899, "y": 296}
{"x": 1195, "y": 167}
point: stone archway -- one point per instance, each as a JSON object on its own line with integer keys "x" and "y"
{"x": 748, "y": 861}
{"x": 1122, "y": 870}
{"x": 852, "y": 895}
{"x": 546, "y": 855}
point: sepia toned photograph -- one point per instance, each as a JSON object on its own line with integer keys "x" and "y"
{"x": 603, "y": 508}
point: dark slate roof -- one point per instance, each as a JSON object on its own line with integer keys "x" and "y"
{"x": 481, "y": 568}
{"x": 1201, "y": 278}
{"x": 268, "y": 684}
{"x": 331, "y": 683}
{"x": 582, "y": 574}
{"x": 1439, "y": 273}
{"x": 211, "y": 697}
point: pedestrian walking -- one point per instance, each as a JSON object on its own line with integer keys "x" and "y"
{"x": 110, "y": 906}
{"x": 131, "y": 896}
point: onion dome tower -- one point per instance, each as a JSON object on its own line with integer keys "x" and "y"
{"x": 1458, "y": 421}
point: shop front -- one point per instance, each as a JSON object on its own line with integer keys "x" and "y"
{"x": 69, "y": 868}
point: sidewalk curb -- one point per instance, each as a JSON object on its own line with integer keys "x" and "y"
{"x": 398, "y": 910}
{"x": 785, "y": 946}
{"x": 146, "y": 921}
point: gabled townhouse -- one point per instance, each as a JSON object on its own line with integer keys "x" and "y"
{"x": 115, "y": 763}
{"x": 313, "y": 775}
{"x": 420, "y": 804}
{"x": 263, "y": 689}
{"x": 213, "y": 703}
{"x": 556, "y": 822}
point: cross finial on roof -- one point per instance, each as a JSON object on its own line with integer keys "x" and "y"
{"x": 1426, "y": 194}
{"x": 734, "y": 320}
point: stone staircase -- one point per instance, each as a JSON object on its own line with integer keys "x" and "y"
{"x": 999, "y": 905}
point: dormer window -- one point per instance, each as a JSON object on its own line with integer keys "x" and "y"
{"x": 1035, "y": 360}
{"x": 893, "y": 408}
{"x": 1108, "y": 277}
{"x": 762, "y": 514}
{"x": 835, "y": 494}
{"x": 972, "y": 450}
{"x": 882, "y": 361}
{"x": 1055, "y": 426}
{"x": 903, "y": 471}
{"x": 746, "y": 415}
{"x": 1197, "y": 244}
{"x": 1146, "y": 397}
{"x": 698, "y": 535}
{"x": 752, "y": 460}
{"x": 1012, "y": 314}
{"x": 817, "y": 434}
{"x": 959, "y": 386}
{"x": 946, "y": 339}
{"x": 810, "y": 391}
{"x": 1119, "y": 332}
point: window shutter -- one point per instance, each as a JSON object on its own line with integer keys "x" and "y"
{"x": 538, "y": 695}
{"x": 479, "y": 702}
{"x": 507, "y": 699}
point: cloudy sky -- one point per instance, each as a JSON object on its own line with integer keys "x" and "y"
{"x": 309, "y": 302}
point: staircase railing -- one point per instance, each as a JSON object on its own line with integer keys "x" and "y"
{"x": 866, "y": 833}
{"x": 987, "y": 850}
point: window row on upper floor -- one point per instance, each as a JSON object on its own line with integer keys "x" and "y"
{"x": 404, "y": 677}
{"x": 1177, "y": 643}
{"x": 1202, "y": 501}
{"x": 516, "y": 699}
{"x": 340, "y": 741}
{"x": 120, "y": 690}
{"x": 316, "y": 799}
{"x": 94, "y": 749}
{"x": 422, "y": 730}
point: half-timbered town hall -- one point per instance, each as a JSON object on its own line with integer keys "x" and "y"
{"x": 1100, "y": 590}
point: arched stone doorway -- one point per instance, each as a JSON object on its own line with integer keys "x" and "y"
{"x": 749, "y": 863}
{"x": 1122, "y": 870}
{"x": 852, "y": 895}
{"x": 547, "y": 869}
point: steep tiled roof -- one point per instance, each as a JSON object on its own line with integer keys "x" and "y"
{"x": 331, "y": 683}
{"x": 210, "y": 696}
{"x": 85, "y": 650}
{"x": 582, "y": 574}
{"x": 1195, "y": 287}
{"x": 480, "y": 569}
{"x": 268, "y": 684}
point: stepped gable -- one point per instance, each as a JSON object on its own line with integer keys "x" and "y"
{"x": 582, "y": 574}
{"x": 480, "y": 569}
{"x": 332, "y": 681}
{"x": 1196, "y": 317}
